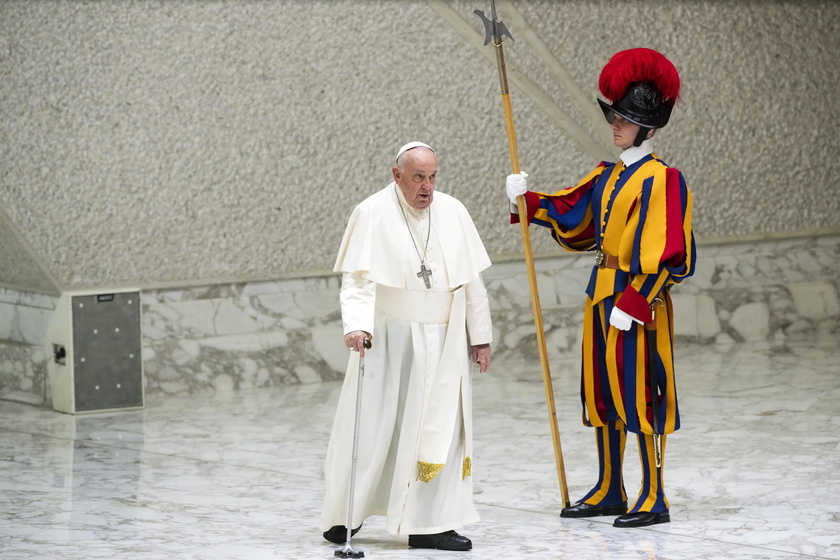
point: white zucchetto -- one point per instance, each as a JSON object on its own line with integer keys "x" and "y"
{"x": 409, "y": 146}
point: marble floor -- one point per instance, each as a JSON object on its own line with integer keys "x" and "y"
{"x": 754, "y": 473}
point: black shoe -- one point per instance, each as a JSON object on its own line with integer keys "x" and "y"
{"x": 642, "y": 519}
{"x": 338, "y": 534}
{"x": 588, "y": 510}
{"x": 449, "y": 540}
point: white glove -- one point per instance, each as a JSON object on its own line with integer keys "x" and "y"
{"x": 516, "y": 185}
{"x": 621, "y": 320}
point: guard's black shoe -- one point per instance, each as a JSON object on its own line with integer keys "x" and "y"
{"x": 450, "y": 540}
{"x": 589, "y": 510}
{"x": 642, "y": 519}
{"x": 338, "y": 534}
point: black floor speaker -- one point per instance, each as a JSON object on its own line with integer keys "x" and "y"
{"x": 95, "y": 346}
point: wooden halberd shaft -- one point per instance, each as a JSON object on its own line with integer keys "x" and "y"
{"x": 498, "y": 29}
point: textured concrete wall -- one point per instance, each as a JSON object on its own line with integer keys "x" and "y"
{"x": 175, "y": 142}
{"x": 18, "y": 265}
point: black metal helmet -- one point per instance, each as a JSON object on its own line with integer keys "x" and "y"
{"x": 643, "y": 86}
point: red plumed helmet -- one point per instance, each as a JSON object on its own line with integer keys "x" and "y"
{"x": 642, "y": 85}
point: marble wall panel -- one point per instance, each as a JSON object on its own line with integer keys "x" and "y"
{"x": 246, "y": 336}
{"x": 23, "y": 373}
{"x": 242, "y": 336}
{"x": 756, "y": 289}
{"x": 24, "y": 316}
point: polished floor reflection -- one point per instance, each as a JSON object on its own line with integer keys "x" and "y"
{"x": 754, "y": 473}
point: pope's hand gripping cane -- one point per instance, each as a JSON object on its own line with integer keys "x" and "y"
{"x": 347, "y": 551}
{"x": 494, "y": 30}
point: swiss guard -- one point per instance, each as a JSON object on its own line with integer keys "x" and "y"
{"x": 635, "y": 215}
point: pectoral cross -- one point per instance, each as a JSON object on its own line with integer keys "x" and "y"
{"x": 425, "y": 273}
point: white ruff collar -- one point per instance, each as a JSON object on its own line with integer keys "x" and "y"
{"x": 634, "y": 153}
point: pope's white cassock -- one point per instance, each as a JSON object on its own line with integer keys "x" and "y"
{"x": 415, "y": 439}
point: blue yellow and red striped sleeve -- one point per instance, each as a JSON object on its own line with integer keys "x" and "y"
{"x": 567, "y": 213}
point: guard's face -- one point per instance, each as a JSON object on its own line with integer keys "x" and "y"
{"x": 624, "y": 132}
{"x": 417, "y": 178}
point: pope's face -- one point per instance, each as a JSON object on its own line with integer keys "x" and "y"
{"x": 417, "y": 177}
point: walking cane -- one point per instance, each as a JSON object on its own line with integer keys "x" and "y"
{"x": 495, "y": 29}
{"x": 347, "y": 551}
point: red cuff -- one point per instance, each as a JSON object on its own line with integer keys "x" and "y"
{"x": 634, "y": 304}
{"x": 532, "y": 201}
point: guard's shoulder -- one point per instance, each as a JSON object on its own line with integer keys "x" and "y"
{"x": 667, "y": 169}
{"x": 662, "y": 162}
{"x": 667, "y": 175}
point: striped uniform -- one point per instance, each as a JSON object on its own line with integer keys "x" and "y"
{"x": 641, "y": 215}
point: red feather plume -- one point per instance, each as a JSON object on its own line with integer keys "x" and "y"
{"x": 639, "y": 65}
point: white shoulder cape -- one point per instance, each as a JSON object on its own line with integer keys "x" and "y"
{"x": 374, "y": 242}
